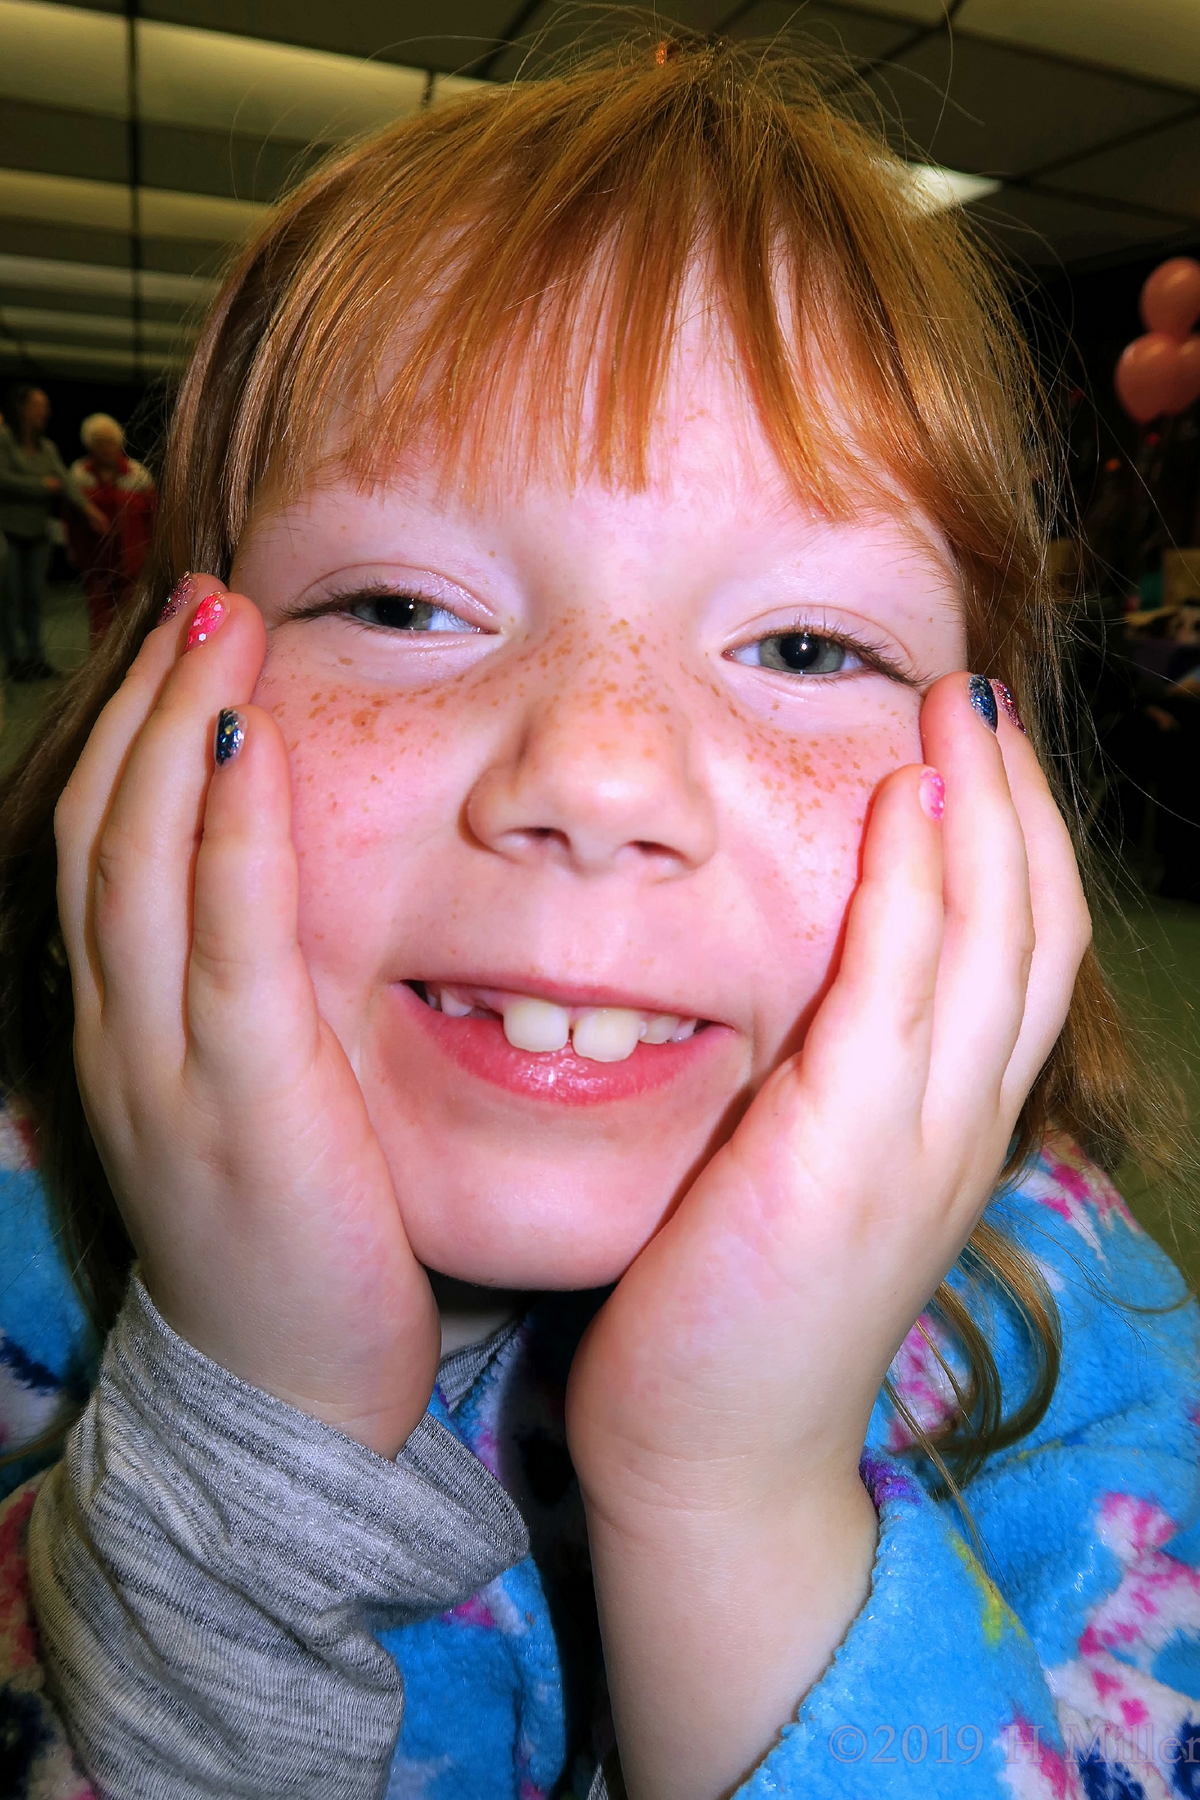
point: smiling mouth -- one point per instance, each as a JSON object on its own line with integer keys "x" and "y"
{"x": 603, "y": 1034}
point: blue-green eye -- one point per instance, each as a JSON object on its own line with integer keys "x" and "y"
{"x": 403, "y": 612}
{"x": 799, "y": 653}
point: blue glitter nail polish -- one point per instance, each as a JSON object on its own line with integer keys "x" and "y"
{"x": 231, "y": 735}
{"x": 979, "y": 692}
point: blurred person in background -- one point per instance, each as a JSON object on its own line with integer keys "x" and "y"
{"x": 33, "y": 481}
{"x": 110, "y": 556}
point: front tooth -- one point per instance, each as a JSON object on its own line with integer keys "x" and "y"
{"x": 659, "y": 1028}
{"x": 453, "y": 1006}
{"x": 536, "y": 1025}
{"x": 607, "y": 1033}
{"x": 683, "y": 1032}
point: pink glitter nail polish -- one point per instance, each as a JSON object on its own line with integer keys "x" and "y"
{"x": 1009, "y": 706}
{"x": 932, "y": 793}
{"x": 178, "y": 598}
{"x": 209, "y": 617}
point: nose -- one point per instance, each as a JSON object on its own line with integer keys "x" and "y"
{"x": 596, "y": 785}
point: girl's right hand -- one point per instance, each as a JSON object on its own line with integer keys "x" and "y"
{"x": 228, "y": 1119}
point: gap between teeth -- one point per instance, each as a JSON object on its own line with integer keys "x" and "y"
{"x": 596, "y": 1033}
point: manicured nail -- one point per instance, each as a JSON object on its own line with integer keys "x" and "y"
{"x": 178, "y": 598}
{"x": 230, "y": 736}
{"x": 979, "y": 692}
{"x": 210, "y": 616}
{"x": 931, "y": 791}
{"x": 1004, "y": 696}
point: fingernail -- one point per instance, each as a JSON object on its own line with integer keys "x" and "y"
{"x": 230, "y": 736}
{"x": 979, "y": 692}
{"x": 1004, "y": 696}
{"x": 931, "y": 791}
{"x": 210, "y": 615}
{"x": 178, "y": 598}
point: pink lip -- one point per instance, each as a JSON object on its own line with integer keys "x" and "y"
{"x": 480, "y": 1047}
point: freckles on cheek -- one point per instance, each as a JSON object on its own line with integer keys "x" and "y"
{"x": 812, "y": 800}
{"x": 360, "y": 766}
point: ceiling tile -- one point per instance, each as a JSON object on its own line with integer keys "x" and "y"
{"x": 556, "y": 30}
{"x": 1158, "y": 38}
{"x": 63, "y": 143}
{"x": 1044, "y": 229}
{"x": 428, "y": 34}
{"x": 240, "y": 168}
{"x": 836, "y": 28}
{"x": 57, "y": 243}
{"x": 912, "y": 12}
{"x": 1161, "y": 171}
{"x": 981, "y": 106}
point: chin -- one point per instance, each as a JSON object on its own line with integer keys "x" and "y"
{"x": 570, "y": 1237}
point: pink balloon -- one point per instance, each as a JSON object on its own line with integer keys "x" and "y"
{"x": 1171, "y": 297}
{"x": 1148, "y": 376}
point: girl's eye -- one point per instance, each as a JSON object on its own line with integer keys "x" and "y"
{"x": 404, "y": 612}
{"x": 799, "y": 653}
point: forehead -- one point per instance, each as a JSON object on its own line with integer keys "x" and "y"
{"x": 707, "y": 459}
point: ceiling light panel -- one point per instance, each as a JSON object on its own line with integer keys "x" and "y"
{"x": 63, "y": 56}
{"x": 107, "y": 206}
{"x": 224, "y": 83}
{"x": 70, "y": 57}
{"x": 81, "y": 359}
{"x": 937, "y": 189}
{"x": 54, "y": 276}
{"x": 50, "y": 323}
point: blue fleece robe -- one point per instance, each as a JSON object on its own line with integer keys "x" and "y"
{"x": 1049, "y": 1650}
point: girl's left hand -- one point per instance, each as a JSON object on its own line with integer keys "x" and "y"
{"x": 719, "y": 1403}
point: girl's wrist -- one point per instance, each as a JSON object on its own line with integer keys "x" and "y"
{"x": 660, "y": 1508}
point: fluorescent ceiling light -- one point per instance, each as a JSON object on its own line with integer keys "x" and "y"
{"x": 73, "y": 357}
{"x": 22, "y": 319}
{"x": 936, "y": 188}
{"x": 106, "y": 206}
{"x": 100, "y": 278}
{"x": 210, "y": 80}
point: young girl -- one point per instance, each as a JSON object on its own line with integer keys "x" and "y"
{"x": 556, "y": 844}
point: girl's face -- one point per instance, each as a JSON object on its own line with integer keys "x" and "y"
{"x": 586, "y": 748}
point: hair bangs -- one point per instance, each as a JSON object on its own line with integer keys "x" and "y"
{"x": 502, "y": 284}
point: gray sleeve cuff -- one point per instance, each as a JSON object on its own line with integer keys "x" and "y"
{"x": 205, "y": 1562}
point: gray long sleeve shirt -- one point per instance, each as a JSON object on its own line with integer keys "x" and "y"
{"x": 25, "y": 500}
{"x": 208, "y": 1565}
